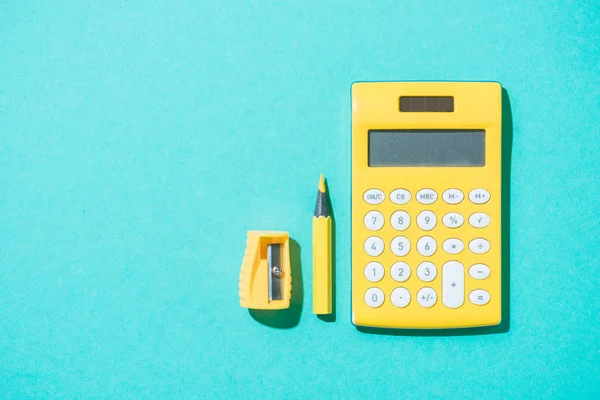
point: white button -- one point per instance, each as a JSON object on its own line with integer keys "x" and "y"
{"x": 426, "y": 196}
{"x": 400, "y": 196}
{"x": 479, "y": 246}
{"x": 479, "y": 220}
{"x": 453, "y": 220}
{"x": 400, "y": 297}
{"x": 426, "y": 246}
{"x": 453, "y": 196}
{"x": 479, "y": 297}
{"x": 427, "y": 297}
{"x": 374, "y": 246}
{"x": 400, "y": 246}
{"x": 426, "y": 271}
{"x": 400, "y": 271}
{"x": 453, "y": 246}
{"x": 374, "y": 297}
{"x": 374, "y": 220}
{"x": 373, "y": 196}
{"x": 479, "y": 271}
{"x": 479, "y": 196}
{"x": 426, "y": 220}
{"x": 374, "y": 271}
{"x": 453, "y": 284}
{"x": 400, "y": 220}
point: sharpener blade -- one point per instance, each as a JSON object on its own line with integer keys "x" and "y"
{"x": 275, "y": 272}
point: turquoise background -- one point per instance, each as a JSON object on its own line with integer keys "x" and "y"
{"x": 139, "y": 142}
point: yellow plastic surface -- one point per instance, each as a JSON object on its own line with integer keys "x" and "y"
{"x": 321, "y": 265}
{"x": 376, "y": 106}
{"x": 254, "y": 273}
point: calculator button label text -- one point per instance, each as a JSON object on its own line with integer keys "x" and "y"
{"x": 400, "y": 271}
{"x": 426, "y": 196}
{"x": 453, "y": 284}
{"x": 374, "y": 297}
{"x": 374, "y": 271}
{"x": 373, "y": 220}
{"x": 400, "y": 246}
{"x": 400, "y": 220}
{"x": 479, "y": 196}
{"x": 453, "y": 220}
{"x": 426, "y": 246}
{"x": 427, "y": 271}
{"x": 400, "y": 196}
{"x": 427, "y": 297}
{"x": 479, "y": 271}
{"x": 453, "y": 196}
{"x": 479, "y": 220}
{"x": 426, "y": 220}
{"x": 374, "y": 246}
{"x": 453, "y": 246}
{"x": 479, "y": 246}
{"x": 373, "y": 196}
{"x": 400, "y": 297}
{"x": 479, "y": 297}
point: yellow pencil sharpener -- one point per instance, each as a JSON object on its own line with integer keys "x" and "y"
{"x": 265, "y": 275}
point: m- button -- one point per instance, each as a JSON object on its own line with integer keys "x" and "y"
{"x": 479, "y": 196}
{"x": 426, "y": 196}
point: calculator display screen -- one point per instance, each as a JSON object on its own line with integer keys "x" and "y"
{"x": 427, "y": 148}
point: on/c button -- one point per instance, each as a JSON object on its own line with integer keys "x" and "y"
{"x": 453, "y": 284}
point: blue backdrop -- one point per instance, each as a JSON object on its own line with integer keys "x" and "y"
{"x": 139, "y": 142}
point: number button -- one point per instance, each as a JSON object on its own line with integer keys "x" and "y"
{"x": 400, "y": 271}
{"x": 426, "y": 246}
{"x": 400, "y": 196}
{"x": 400, "y": 297}
{"x": 400, "y": 246}
{"x": 479, "y": 271}
{"x": 479, "y": 196}
{"x": 427, "y": 297}
{"x": 453, "y": 246}
{"x": 426, "y": 220}
{"x": 479, "y": 297}
{"x": 374, "y": 246}
{"x": 426, "y": 271}
{"x": 400, "y": 220}
{"x": 426, "y": 196}
{"x": 453, "y": 196}
{"x": 453, "y": 220}
{"x": 374, "y": 297}
{"x": 373, "y": 196}
{"x": 479, "y": 246}
{"x": 374, "y": 220}
{"x": 374, "y": 271}
{"x": 479, "y": 220}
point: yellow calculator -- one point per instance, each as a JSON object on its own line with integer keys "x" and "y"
{"x": 426, "y": 204}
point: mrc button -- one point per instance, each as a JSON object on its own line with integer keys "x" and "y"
{"x": 426, "y": 196}
{"x": 373, "y": 196}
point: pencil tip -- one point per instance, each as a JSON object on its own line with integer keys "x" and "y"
{"x": 322, "y": 184}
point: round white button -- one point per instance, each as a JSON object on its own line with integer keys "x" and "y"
{"x": 479, "y": 246}
{"x": 374, "y": 271}
{"x": 453, "y": 220}
{"x": 479, "y": 220}
{"x": 374, "y": 297}
{"x": 479, "y": 196}
{"x": 400, "y": 297}
{"x": 400, "y": 196}
{"x": 374, "y": 246}
{"x": 426, "y": 271}
{"x": 400, "y": 220}
{"x": 453, "y": 246}
{"x": 426, "y": 246}
{"x": 426, "y": 220}
{"x": 400, "y": 246}
{"x": 400, "y": 271}
{"x": 479, "y": 271}
{"x": 453, "y": 196}
{"x": 374, "y": 220}
{"x": 479, "y": 297}
{"x": 427, "y": 297}
{"x": 426, "y": 196}
{"x": 373, "y": 196}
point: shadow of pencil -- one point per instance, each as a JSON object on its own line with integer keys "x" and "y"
{"x": 504, "y": 326}
{"x": 289, "y": 317}
{"x": 331, "y": 317}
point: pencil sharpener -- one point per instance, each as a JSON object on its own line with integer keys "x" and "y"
{"x": 265, "y": 275}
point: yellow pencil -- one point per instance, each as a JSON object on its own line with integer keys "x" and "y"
{"x": 321, "y": 253}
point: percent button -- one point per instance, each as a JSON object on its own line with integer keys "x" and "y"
{"x": 453, "y": 220}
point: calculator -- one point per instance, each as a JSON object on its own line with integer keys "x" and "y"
{"x": 426, "y": 204}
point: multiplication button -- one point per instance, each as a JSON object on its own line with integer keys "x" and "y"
{"x": 453, "y": 246}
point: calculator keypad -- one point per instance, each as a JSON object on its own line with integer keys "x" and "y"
{"x": 453, "y": 274}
